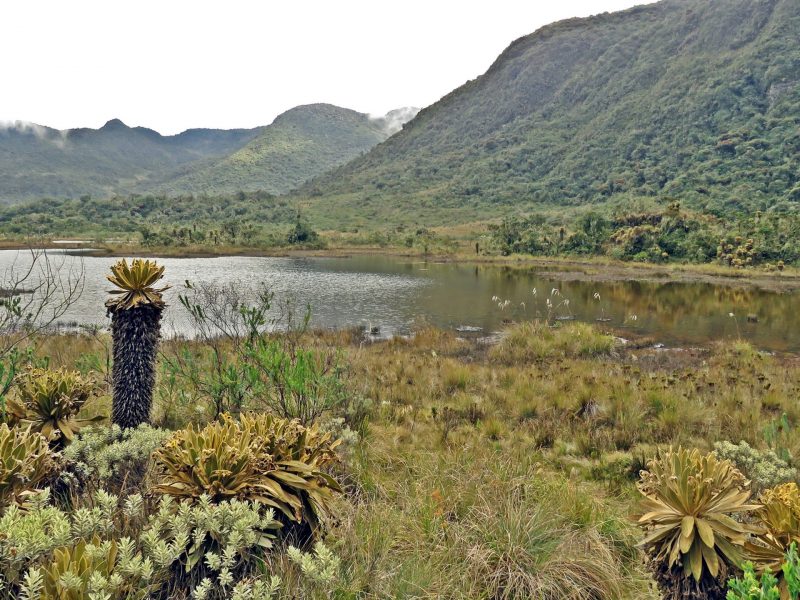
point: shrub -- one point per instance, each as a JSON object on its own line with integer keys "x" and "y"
{"x": 689, "y": 500}
{"x": 209, "y": 546}
{"x": 779, "y": 513}
{"x": 320, "y": 566}
{"x": 49, "y": 401}
{"x": 259, "y": 457}
{"x": 88, "y": 570}
{"x": 31, "y": 536}
{"x": 25, "y": 460}
{"x": 46, "y": 552}
{"x": 296, "y": 383}
{"x": 763, "y": 468}
{"x": 749, "y": 587}
{"x": 112, "y": 457}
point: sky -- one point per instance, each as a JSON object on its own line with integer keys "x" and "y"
{"x": 173, "y": 64}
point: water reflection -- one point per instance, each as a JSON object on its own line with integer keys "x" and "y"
{"x": 393, "y": 294}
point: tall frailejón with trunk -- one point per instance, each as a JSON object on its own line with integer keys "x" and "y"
{"x": 135, "y": 309}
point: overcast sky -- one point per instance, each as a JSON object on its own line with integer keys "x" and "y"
{"x": 176, "y": 64}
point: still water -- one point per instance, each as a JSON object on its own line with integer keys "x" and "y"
{"x": 394, "y": 295}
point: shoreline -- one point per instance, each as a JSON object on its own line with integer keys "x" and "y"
{"x": 565, "y": 268}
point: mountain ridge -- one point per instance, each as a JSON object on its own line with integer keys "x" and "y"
{"x": 661, "y": 100}
{"x": 40, "y": 161}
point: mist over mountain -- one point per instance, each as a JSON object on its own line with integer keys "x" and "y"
{"x": 693, "y": 99}
{"x": 38, "y": 161}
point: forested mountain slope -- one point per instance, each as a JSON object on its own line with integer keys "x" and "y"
{"x": 693, "y": 99}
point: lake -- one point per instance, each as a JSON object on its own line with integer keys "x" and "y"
{"x": 394, "y": 295}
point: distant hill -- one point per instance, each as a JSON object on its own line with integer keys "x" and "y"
{"x": 37, "y": 161}
{"x": 693, "y": 99}
{"x": 299, "y": 144}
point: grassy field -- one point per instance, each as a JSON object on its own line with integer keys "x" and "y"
{"x": 494, "y": 470}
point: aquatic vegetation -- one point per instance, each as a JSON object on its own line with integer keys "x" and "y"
{"x": 536, "y": 340}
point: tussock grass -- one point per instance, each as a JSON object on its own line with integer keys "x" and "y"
{"x": 509, "y": 473}
{"x": 536, "y": 340}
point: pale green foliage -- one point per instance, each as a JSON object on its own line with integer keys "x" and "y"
{"x": 320, "y": 566}
{"x": 29, "y": 535}
{"x": 32, "y": 533}
{"x": 80, "y": 550}
{"x": 97, "y": 570}
{"x": 259, "y": 589}
{"x": 763, "y": 467}
{"x": 213, "y": 543}
{"x": 32, "y": 585}
{"x": 108, "y": 570}
{"x": 112, "y": 453}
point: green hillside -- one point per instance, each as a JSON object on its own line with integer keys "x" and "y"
{"x": 299, "y": 144}
{"x": 37, "y": 162}
{"x": 690, "y": 99}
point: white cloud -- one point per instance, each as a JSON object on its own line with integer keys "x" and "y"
{"x": 195, "y": 63}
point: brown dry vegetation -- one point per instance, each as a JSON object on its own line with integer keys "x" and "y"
{"x": 508, "y": 471}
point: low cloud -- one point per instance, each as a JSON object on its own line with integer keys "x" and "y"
{"x": 393, "y": 121}
{"x": 53, "y": 136}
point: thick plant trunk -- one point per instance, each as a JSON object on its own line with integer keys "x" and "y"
{"x": 674, "y": 585}
{"x": 135, "y": 332}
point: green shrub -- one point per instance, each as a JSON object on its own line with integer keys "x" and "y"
{"x": 296, "y": 383}
{"x": 112, "y": 457}
{"x": 750, "y": 587}
{"x": 763, "y": 467}
{"x": 30, "y": 536}
{"x": 89, "y": 570}
{"x": 320, "y": 567}
{"x": 25, "y": 461}
{"x": 49, "y": 402}
{"x": 119, "y": 548}
{"x": 258, "y": 457}
{"x": 209, "y": 546}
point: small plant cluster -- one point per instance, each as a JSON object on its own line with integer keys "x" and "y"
{"x": 768, "y": 587}
{"x": 763, "y": 468}
{"x": 49, "y": 401}
{"x": 114, "y": 549}
{"x": 40, "y": 418}
{"x": 111, "y": 457}
{"x": 701, "y": 524}
{"x": 258, "y": 457}
{"x": 221, "y": 496}
{"x": 737, "y": 253}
